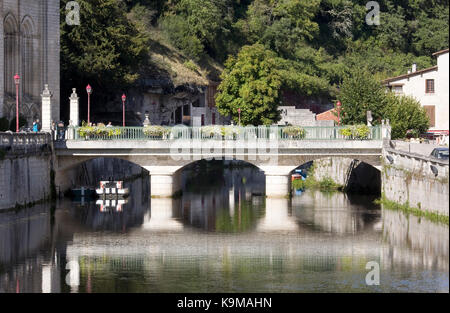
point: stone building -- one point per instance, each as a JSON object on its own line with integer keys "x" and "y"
{"x": 29, "y": 46}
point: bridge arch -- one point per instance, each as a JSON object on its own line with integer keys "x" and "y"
{"x": 355, "y": 175}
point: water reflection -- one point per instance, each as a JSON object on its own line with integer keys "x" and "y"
{"x": 225, "y": 237}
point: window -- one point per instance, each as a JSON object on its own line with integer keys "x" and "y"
{"x": 430, "y": 109}
{"x": 429, "y": 86}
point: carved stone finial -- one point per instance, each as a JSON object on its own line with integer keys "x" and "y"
{"x": 46, "y": 92}
{"x": 74, "y": 95}
{"x": 146, "y": 121}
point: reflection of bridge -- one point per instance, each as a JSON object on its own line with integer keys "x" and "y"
{"x": 269, "y": 148}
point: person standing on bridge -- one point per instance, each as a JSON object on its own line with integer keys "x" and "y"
{"x": 35, "y": 126}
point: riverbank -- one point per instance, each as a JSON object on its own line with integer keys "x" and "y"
{"x": 406, "y": 208}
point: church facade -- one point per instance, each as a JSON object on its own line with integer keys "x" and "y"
{"x": 30, "y": 47}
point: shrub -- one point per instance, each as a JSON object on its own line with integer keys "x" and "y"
{"x": 295, "y": 131}
{"x": 191, "y": 65}
{"x": 155, "y": 131}
{"x": 355, "y": 132}
{"x": 211, "y": 130}
{"x": 98, "y": 131}
{"x": 230, "y": 131}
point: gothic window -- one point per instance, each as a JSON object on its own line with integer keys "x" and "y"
{"x": 27, "y": 57}
{"x": 11, "y": 59}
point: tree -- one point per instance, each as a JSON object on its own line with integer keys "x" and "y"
{"x": 251, "y": 83}
{"x": 405, "y": 113}
{"x": 106, "y": 49}
{"x": 360, "y": 93}
{"x": 198, "y": 26}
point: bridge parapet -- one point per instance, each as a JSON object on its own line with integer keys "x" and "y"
{"x": 24, "y": 142}
{"x": 218, "y": 132}
{"x": 417, "y": 163}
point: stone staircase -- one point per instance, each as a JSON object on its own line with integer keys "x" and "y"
{"x": 293, "y": 116}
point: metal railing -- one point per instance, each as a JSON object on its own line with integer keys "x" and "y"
{"x": 217, "y": 133}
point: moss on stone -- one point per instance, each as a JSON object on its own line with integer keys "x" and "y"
{"x": 406, "y": 208}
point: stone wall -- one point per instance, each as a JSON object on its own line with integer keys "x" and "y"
{"x": 24, "y": 179}
{"x": 363, "y": 178}
{"x": 410, "y": 179}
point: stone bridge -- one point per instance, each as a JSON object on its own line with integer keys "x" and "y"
{"x": 274, "y": 154}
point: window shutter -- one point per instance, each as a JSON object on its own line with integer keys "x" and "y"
{"x": 430, "y": 109}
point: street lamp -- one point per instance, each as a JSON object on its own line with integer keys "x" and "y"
{"x": 339, "y": 104}
{"x": 89, "y": 92}
{"x": 239, "y": 112}
{"x": 123, "y": 108}
{"x": 17, "y": 81}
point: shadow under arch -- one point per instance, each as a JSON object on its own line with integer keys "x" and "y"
{"x": 88, "y": 171}
{"x": 356, "y": 176}
{"x": 225, "y": 196}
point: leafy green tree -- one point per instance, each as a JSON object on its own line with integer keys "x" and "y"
{"x": 280, "y": 25}
{"x": 106, "y": 49}
{"x": 361, "y": 92}
{"x": 199, "y": 26}
{"x": 405, "y": 113}
{"x": 432, "y": 33}
{"x": 251, "y": 83}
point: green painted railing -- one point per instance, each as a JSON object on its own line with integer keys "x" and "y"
{"x": 220, "y": 133}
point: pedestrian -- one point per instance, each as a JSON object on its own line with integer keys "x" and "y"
{"x": 35, "y": 127}
{"x": 39, "y": 126}
{"x": 61, "y": 131}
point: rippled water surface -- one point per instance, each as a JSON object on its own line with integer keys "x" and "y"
{"x": 221, "y": 235}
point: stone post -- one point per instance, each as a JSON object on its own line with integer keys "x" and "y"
{"x": 74, "y": 108}
{"x": 46, "y": 109}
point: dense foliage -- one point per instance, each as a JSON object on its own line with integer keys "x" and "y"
{"x": 316, "y": 44}
{"x": 105, "y": 50}
{"x": 406, "y": 115}
{"x": 250, "y": 83}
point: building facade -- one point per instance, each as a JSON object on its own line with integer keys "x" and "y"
{"x": 430, "y": 87}
{"x": 29, "y": 46}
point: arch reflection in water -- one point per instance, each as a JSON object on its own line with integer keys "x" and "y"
{"x": 314, "y": 242}
{"x": 337, "y": 212}
{"x": 114, "y": 214}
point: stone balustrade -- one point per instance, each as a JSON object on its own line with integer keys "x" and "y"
{"x": 417, "y": 163}
{"x": 24, "y": 142}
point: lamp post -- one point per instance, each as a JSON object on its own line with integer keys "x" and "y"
{"x": 123, "y": 108}
{"x": 89, "y": 92}
{"x": 239, "y": 112}
{"x": 17, "y": 82}
{"x": 339, "y": 104}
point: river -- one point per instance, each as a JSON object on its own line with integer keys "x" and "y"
{"x": 221, "y": 235}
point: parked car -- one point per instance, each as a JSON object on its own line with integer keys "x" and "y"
{"x": 440, "y": 153}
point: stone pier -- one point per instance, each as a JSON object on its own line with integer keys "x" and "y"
{"x": 278, "y": 181}
{"x": 164, "y": 180}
